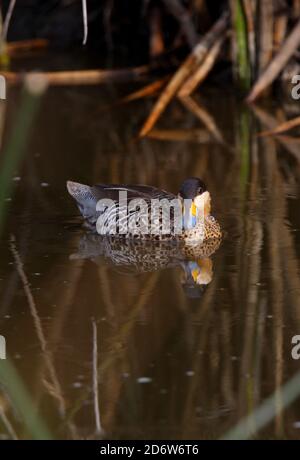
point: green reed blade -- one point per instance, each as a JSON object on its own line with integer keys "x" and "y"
{"x": 21, "y": 400}
{"x": 266, "y": 412}
{"x": 13, "y": 152}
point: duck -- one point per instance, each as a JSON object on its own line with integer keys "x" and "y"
{"x": 129, "y": 211}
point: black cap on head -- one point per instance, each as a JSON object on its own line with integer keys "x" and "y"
{"x": 192, "y": 187}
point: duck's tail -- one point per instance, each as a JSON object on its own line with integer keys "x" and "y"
{"x": 77, "y": 190}
{"x": 85, "y": 200}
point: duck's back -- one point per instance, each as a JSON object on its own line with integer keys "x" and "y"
{"x": 87, "y": 196}
{"x": 146, "y": 192}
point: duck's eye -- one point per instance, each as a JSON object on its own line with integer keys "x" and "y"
{"x": 200, "y": 190}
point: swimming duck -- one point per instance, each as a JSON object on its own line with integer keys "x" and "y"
{"x": 130, "y": 211}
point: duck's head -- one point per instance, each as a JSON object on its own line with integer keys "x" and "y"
{"x": 196, "y": 200}
{"x": 192, "y": 187}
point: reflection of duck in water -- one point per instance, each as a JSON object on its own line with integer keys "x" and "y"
{"x": 134, "y": 256}
{"x": 190, "y": 249}
{"x": 131, "y": 211}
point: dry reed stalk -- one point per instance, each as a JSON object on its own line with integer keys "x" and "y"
{"x": 203, "y": 70}
{"x": 80, "y": 77}
{"x": 265, "y": 37}
{"x": 184, "y": 71}
{"x": 183, "y": 17}
{"x": 197, "y": 135}
{"x": 146, "y": 91}
{"x": 202, "y": 114}
{"x": 296, "y": 8}
{"x": 276, "y": 65}
{"x": 233, "y": 40}
{"x": 156, "y": 45}
{"x": 271, "y": 122}
{"x": 280, "y": 28}
{"x": 24, "y": 45}
{"x": 283, "y": 127}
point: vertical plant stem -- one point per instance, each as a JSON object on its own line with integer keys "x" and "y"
{"x": 250, "y": 7}
{"x": 280, "y": 29}
{"x": 277, "y": 64}
{"x": 241, "y": 48}
{"x": 266, "y": 20}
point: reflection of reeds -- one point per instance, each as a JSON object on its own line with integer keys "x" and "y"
{"x": 116, "y": 349}
{"x": 204, "y": 116}
{"x": 96, "y": 379}
{"x": 260, "y": 415}
{"x": 276, "y": 201}
{"x": 54, "y": 387}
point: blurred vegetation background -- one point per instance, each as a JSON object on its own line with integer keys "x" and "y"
{"x": 252, "y": 42}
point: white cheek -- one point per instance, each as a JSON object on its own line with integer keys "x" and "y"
{"x": 202, "y": 202}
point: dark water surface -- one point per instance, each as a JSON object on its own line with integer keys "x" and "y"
{"x": 170, "y": 365}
